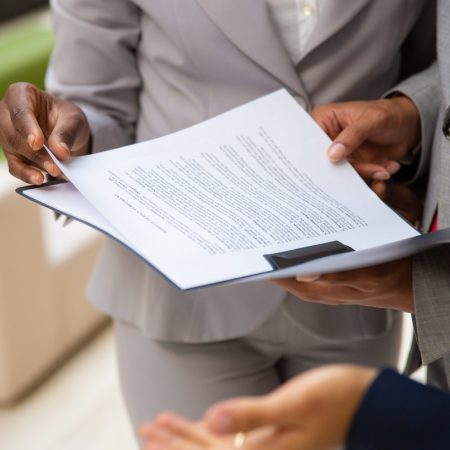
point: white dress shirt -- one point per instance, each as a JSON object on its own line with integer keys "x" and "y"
{"x": 296, "y": 20}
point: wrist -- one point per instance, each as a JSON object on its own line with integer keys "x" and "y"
{"x": 409, "y": 121}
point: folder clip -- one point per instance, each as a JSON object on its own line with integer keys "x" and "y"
{"x": 297, "y": 256}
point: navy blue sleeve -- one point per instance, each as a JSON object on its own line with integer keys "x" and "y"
{"x": 400, "y": 414}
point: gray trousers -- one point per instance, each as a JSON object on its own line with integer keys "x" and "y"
{"x": 188, "y": 378}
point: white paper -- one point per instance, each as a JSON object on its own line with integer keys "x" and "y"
{"x": 205, "y": 205}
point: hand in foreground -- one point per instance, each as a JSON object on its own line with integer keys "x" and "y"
{"x": 384, "y": 286}
{"x": 373, "y": 135}
{"x": 30, "y": 117}
{"x": 312, "y": 412}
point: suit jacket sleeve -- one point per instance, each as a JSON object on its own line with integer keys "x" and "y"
{"x": 94, "y": 65}
{"x": 425, "y": 91}
{"x": 400, "y": 414}
{"x": 431, "y": 280}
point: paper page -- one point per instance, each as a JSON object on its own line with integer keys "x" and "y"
{"x": 206, "y": 204}
{"x": 67, "y": 199}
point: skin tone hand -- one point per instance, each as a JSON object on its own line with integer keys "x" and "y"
{"x": 372, "y": 135}
{"x": 314, "y": 411}
{"x": 29, "y": 118}
{"x": 383, "y": 286}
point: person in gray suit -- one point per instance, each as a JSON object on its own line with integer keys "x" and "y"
{"x": 127, "y": 70}
{"x": 333, "y": 405}
{"x": 419, "y": 285}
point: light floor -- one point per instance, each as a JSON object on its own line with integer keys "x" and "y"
{"x": 80, "y": 407}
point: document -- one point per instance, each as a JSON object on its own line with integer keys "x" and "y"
{"x": 249, "y": 194}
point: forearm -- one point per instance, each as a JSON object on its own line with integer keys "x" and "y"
{"x": 398, "y": 413}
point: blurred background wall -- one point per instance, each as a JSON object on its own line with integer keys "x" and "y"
{"x": 44, "y": 267}
{"x": 15, "y": 8}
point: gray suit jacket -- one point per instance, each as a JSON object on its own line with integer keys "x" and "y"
{"x": 431, "y": 270}
{"x": 144, "y": 68}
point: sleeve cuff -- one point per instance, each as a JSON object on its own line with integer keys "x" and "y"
{"x": 106, "y": 132}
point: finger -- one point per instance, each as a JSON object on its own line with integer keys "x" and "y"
{"x": 279, "y": 409}
{"x": 39, "y": 158}
{"x": 355, "y": 134}
{"x": 308, "y": 278}
{"x": 379, "y": 187}
{"x": 323, "y": 293}
{"x": 392, "y": 166}
{"x": 239, "y": 415}
{"x": 22, "y": 101}
{"x": 11, "y": 139}
{"x": 404, "y": 200}
{"x": 176, "y": 433}
{"x": 23, "y": 171}
{"x": 285, "y": 439}
{"x": 13, "y": 143}
{"x": 175, "y": 425}
{"x": 327, "y": 117}
{"x": 369, "y": 171}
{"x": 360, "y": 280}
{"x": 70, "y": 133}
{"x": 377, "y": 172}
{"x": 43, "y": 161}
{"x": 160, "y": 438}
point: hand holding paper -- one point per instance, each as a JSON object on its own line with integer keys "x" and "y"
{"x": 30, "y": 117}
{"x": 373, "y": 135}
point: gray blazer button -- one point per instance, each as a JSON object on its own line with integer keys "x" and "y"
{"x": 446, "y": 124}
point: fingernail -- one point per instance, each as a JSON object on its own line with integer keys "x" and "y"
{"x": 381, "y": 176}
{"x": 65, "y": 147}
{"x": 49, "y": 167}
{"x": 307, "y": 278}
{"x": 31, "y": 139}
{"x": 223, "y": 423}
{"x": 36, "y": 179}
{"x": 392, "y": 167}
{"x": 336, "y": 151}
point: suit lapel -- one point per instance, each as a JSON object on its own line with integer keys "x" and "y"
{"x": 248, "y": 25}
{"x": 333, "y": 17}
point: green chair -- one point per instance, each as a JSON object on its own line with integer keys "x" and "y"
{"x": 24, "y": 53}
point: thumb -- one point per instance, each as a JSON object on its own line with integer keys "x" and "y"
{"x": 71, "y": 132}
{"x": 243, "y": 415}
{"x": 61, "y": 141}
{"x": 352, "y": 136}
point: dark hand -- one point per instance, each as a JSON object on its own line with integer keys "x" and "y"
{"x": 400, "y": 198}
{"x": 373, "y": 135}
{"x": 30, "y": 117}
{"x": 383, "y": 286}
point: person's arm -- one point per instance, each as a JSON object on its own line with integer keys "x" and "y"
{"x": 431, "y": 286}
{"x": 371, "y": 133}
{"x": 321, "y": 409}
{"x": 400, "y": 414}
{"x": 386, "y": 129}
{"x": 424, "y": 90}
{"x": 93, "y": 83}
{"x": 94, "y": 65}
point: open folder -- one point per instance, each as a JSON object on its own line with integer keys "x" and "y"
{"x": 246, "y": 195}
